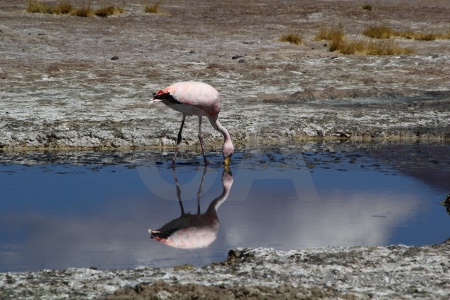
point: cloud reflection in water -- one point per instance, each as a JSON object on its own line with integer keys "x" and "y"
{"x": 71, "y": 216}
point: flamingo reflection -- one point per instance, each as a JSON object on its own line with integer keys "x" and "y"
{"x": 191, "y": 231}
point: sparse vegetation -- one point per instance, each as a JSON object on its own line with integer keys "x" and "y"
{"x": 387, "y": 47}
{"x": 84, "y": 11}
{"x": 38, "y": 7}
{"x": 109, "y": 11}
{"x": 332, "y": 33}
{"x": 379, "y": 32}
{"x": 153, "y": 8}
{"x": 291, "y": 38}
{"x": 346, "y": 46}
{"x": 65, "y": 8}
{"x": 367, "y": 7}
{"x": 384, "y": 32}
{"x": 339, "y": 42}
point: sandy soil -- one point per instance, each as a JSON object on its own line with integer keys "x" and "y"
{"x": 60, "y": 87}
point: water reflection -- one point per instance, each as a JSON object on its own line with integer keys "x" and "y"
{"x": 192, "y": 231}
{"x": 94, "y": 210}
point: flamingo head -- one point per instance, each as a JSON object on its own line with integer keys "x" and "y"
{"x": 227, "y": 150}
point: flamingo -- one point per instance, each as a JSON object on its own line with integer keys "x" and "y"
{"x": 196, "y": 98}
{"x": 191, "y": 231}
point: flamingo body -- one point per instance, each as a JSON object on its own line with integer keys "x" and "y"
{"x": 200, "y": 99}
{"x": 192, "y": 231}
{"x": 189, "y": 231}
{"x": 191, "y": 98}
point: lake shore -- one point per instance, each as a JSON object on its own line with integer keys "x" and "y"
{"x": 397, "y": 271}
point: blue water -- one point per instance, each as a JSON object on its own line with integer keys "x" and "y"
{"x": 71, "y": 212}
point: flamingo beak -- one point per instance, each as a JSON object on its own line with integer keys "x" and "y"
{"x": 227, "y": 161}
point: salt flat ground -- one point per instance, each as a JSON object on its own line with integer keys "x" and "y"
{"x": 61, "y": 89}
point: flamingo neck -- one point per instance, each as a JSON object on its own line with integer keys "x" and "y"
{"x": 224, "y": 132}
{"x": 227, "y": 182}
{"x": 227, "y": 147}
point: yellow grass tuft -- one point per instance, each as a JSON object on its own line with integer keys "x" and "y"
{"x": 339, "y": 42}
{"x": 38, "y": 7}
{"x": 386, "y": 47}
{"x": 379, "y": 32}
{"x": 65, "y": 8}
{"x": 346, "y": 46}
{"x": 331, "y": 33}
{"x": 384, "y": 32}
{"x": 153, "y": 8}
{"x": 419, "y": 36}
{"x": 108, "y": 11}
{"x": 84, "y": 11}
{"x": 291, "y": 38}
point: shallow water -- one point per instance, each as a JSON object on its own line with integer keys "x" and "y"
{"x": 60, "y": 210}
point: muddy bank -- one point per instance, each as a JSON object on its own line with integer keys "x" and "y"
{"x": 329, "y": 273}
{"x": 60, "y": 87}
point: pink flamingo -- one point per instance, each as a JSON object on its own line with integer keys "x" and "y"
{"x": 191, "y": 231}
{"x": 196, "y": 98}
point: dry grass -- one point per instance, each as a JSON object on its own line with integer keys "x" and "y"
{"x": 38, "y": 7}
{"x": 379, "y": 32}
{"x": 153, "y": 8}
{"x": 109, "y": 11}
{"x": 419, "y": 36}
{"x": 384, "y": 32}
{"x": 373, "y": 47}
{"x": 339, "y": 42}
{"x": 346, "y": 46}
{"x": 84, "y": 11}
{"x": 291, "y": 38}
{"x": 65, "y": 8}
{"x": 331, "y": 33}
{"x": 386, "y": 47}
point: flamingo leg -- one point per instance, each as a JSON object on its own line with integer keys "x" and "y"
{"x": 178, "y": 190}
{"x": 200, "y": 138}
{"x": 178, "y": 140}
{"x": 199, "y": 193}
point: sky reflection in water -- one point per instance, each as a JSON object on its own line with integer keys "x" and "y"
{"x": 65, "y": 215}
